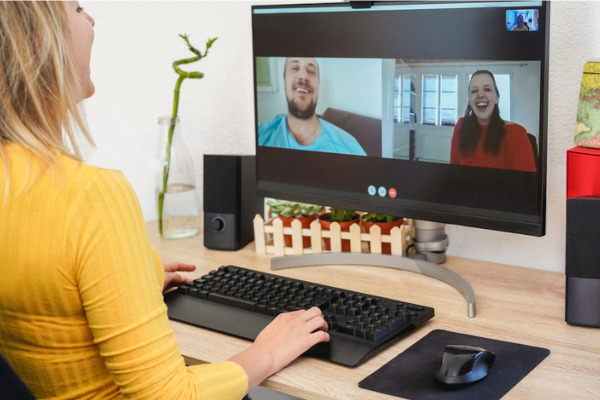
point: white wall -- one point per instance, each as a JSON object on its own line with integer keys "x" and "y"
{"x": 131, "y": 66}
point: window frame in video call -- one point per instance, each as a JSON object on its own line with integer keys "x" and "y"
{"x": 362, "y": 56}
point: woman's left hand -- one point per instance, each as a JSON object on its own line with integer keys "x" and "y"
{"x": 172, "y": 278}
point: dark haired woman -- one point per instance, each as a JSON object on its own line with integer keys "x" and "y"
{"x": 482, "y": 139}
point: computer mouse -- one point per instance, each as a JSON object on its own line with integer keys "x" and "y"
{"x": 464, "y": 364}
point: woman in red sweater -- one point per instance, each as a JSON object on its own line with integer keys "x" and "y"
{"x": 482, "y": 139}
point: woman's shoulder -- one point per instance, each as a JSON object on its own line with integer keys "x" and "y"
{"x": 513, "y": 128}
{"x": 459, "y": 124}
{"x": 513, "y": 125}
{"x": 26, "y": 165}
{"x": 516, "y": 134}
{"x": 82, "y": 171}
{"x": 82, "y": 178}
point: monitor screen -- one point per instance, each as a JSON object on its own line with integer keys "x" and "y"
{"x": 424, "y": 110}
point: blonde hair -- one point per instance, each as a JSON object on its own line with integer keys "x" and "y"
{"x": 39, "y": 86}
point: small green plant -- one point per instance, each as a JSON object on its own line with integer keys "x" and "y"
{"x": 182, "y": 75}
{"x": 342, "y": 215}
{"x": 291, "y": 209}
{"x": 374, "y": 217}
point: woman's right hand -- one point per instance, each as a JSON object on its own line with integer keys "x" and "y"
{"x": 282, "y": 341}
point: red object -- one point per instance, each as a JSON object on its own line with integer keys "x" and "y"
{"x": 515, "y": 153}
{"x": 386, "y": 228}
{"x": 583, "y": 172}
{"x": 305, "y": 221}
{"x": 345, "y": 227}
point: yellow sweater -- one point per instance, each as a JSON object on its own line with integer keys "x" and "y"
{"x": 81, "y": 310}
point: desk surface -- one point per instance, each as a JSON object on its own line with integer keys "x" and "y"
{"x": 514, "y": 304}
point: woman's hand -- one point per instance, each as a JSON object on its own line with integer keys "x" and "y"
{"x": 282, "y": 341}
{"x": 172, "y": 278}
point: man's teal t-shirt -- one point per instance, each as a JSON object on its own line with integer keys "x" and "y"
{"x": 275, "y": 133}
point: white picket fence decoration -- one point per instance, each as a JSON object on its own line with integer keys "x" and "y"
{"x": 269, "y": 237}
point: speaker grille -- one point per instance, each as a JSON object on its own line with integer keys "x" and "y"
{"x": 222, "y": 184}
{"x": 583, "y": 237}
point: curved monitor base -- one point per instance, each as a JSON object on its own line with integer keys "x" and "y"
{"x": 408, "y": 264}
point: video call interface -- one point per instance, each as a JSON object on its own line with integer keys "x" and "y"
{"x": 395, "y": 81}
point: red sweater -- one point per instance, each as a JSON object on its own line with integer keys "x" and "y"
{"x": 515, "y": 152}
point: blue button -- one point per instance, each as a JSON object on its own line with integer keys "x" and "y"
{"x": 372, "y": 190}
{"x": 382, "y": 191}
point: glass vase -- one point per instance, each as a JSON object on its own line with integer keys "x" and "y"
{"x": 176, "y": 196}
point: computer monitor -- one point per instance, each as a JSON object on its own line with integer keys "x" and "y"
{"x": 394, "y": 76}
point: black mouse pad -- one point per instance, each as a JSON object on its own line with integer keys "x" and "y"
{"x": 412, "y": 373}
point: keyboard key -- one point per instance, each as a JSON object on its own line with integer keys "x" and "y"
{"x": 347, "y": 329}
{"x": 378, "y": 333}
{"x": 231, "y": 301}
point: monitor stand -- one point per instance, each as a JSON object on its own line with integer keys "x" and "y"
{"x": 420, "y": 263}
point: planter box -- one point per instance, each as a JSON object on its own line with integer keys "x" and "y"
{"x": 269, "y": 238}
{"x": 344, "y": 226}
{"x": 386, "y": 229}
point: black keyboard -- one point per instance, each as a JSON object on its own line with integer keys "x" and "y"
{"x": 241, "y": 302}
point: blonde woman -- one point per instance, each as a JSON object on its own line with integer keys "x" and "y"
{"x": 73, "y": 244}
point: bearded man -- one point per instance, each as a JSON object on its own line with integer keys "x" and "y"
{"x": 301, "y": 128}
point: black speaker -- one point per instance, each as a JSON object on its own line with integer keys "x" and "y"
{"x": 583, "y": 261}
{"x": 230, "y": 201}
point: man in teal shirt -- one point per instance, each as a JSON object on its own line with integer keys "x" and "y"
{"x": 301, "y": 129}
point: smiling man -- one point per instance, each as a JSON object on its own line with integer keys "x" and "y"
{"x": 301, "y": 128}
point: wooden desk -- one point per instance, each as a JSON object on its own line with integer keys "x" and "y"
{"x": 514, "y": 304}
